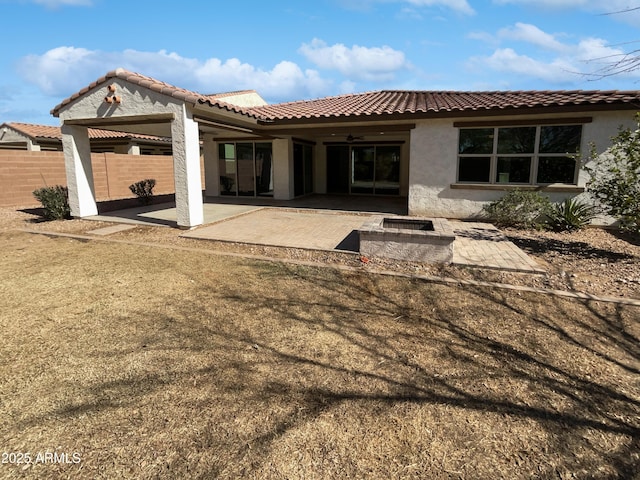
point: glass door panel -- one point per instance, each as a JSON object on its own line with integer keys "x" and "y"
{"x": 227, "y": 168}
{"x": 338, "y": 169}
{"x": 387, "y": 175}
{"x": 246, "y": 174}
{"x": 264, "y": 169}
{"x": 308, "y": 169}
{"x": 362, "y": 169}
{"x": 298, "y": 170}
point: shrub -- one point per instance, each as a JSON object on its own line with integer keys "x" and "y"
{"x": 55, "y": 202}
{"x": 571, "y": 215}
{"x": 143, "y": 190}
{"x": 519, "y": 208}
{"x": 615, "y": 178}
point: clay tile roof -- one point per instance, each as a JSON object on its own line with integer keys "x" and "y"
{"x": 156, "y": 86}
{"x": 46, "y": 131}
{"x": 230, "y": 94}
{"x": 388, "y": 102}
{"x": 36, "y": 131}
{"x": 380, "y": 103}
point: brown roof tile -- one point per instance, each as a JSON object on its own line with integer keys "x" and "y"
{"x": 50, "y": 132}
{"x": 384, "y": 102}
{"x": 389, "y": 102}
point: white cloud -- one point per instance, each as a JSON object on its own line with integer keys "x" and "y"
{"x": 531, "y": 34}
{"x": 506, "y": 60}
{"x": 569, "y": 62}
{"x": 356, "y": 62}
{"x": 63, "y": 3}
{"x": 459, "y": 6}
{"x": 62, "y": 70}
{"x": 597, "y": 7}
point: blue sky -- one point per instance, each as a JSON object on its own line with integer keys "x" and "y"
{"x": 292, "y": 50}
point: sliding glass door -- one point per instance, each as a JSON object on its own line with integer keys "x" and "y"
{"x": 246, "y": 169}
{"x": 302, "y": 169}
{"x": 363, "y": 169}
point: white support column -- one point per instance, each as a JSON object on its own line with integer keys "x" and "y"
{"x": 133, "y": 149}
{"x": 282, "y": 169}
{"x": 32, "y": 146}
{"x": 186, "y": 170}
{"x": 211, "y": 167}
{"x": 77, "y": 161}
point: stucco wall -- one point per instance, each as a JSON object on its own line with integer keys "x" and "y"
{"x": 433, "y": 166}
{"x": 22, "y": 172}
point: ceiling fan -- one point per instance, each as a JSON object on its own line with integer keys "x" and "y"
{"x": 351, "y": 138}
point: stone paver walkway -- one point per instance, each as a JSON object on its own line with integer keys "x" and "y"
{"x": 483, "y": 245}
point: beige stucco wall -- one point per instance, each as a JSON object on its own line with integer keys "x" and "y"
{"x": 134, "y": 101}
{"x": 433, "y": 168}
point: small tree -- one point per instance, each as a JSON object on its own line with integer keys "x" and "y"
{"x": 615, "y": 177}
{"x": 143, "y": 190}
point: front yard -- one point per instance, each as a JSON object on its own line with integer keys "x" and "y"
{"x": 148, "y": 362}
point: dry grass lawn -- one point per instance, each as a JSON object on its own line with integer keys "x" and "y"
{"x": 155, "y": 363}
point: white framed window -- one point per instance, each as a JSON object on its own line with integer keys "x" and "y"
{"x": 519, "y": 155}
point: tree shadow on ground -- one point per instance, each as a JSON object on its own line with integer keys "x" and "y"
{"x": 577, "y": 249}
{"x": 549, "y": 369}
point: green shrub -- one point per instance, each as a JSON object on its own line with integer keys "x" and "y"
{"x": 55, "y": 202}
{"x": 615, "y": 177}
{"x": 571, "y": 215}
{"x": 143, "y": 190}
{"x": 519, "y": 208}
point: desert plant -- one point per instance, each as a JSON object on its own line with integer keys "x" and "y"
{"x": 615, "y": 177}
{"x": 519, "y": 208}
{"x": 55, "y": 201}
{"x": 143, "y": 190}
{"x": 571, "y": 215}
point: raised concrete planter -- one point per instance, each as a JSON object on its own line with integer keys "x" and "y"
{"x": 408, "y": 238}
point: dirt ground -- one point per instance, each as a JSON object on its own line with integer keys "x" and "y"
{"x": 134, "y": 361}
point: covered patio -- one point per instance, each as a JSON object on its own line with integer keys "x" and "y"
{"x": 227, "y": 146}
{"x": 216, "y": 209}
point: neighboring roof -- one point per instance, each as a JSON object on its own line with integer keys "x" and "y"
{"x": 231, "y": 94}
{"x": 54, "y": 133}
{"x": 387, "y": 102}
{"x": 390, "y": 102}
{"x": 156, "y": 86}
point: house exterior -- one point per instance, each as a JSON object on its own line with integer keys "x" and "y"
{"x": 447, "y": 153}
{"x": 35, "y": 138}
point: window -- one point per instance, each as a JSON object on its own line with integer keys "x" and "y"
{"x": 519, "y": 155}
{"x": 245, "y": 169}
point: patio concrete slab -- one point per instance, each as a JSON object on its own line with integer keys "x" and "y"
{"x": 165, "y": 214}
{"x": 299, "y": 225}
{"x": 318, "y": 230}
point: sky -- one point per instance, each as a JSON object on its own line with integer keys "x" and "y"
{"x": 291, "y": 50}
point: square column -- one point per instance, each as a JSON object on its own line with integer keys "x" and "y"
{"x": 282, "y": 169}
{"x": 211, "y": 166}
{"x": 186, "y": 170}
{"x": 77, "y": 162}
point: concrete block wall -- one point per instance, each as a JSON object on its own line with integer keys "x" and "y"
{"x": 22, "y": 172}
